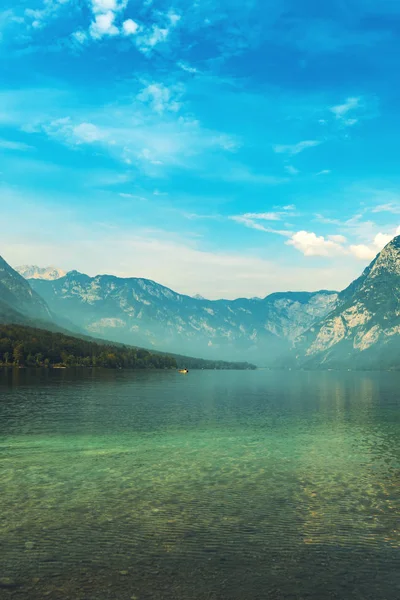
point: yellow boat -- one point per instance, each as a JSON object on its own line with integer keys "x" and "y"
{"x": 183, "y": 371}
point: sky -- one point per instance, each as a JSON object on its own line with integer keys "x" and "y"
{"x": 225, "y": 148}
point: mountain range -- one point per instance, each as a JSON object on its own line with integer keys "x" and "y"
{"x": 146, "y": 313}
{"x": 356, "y": 328}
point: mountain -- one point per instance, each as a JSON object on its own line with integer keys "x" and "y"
{"x": 30, "y": 334}
{"x": 363, "y": 329}
{"x": 143, "y": 312}
{"x": 35, "y": 272}
{"x": 18, "y": 301}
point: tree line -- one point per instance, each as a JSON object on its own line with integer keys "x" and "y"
{"x": 30, "y": 347}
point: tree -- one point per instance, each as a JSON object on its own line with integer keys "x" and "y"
{"x": 18, "y": 353}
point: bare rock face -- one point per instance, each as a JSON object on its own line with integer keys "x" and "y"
{"x": 363, "y": 330}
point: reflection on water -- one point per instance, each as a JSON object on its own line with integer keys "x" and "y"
{"x": 219, "y": 485}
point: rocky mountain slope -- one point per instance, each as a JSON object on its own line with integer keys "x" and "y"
{"x": 35, "y": 272}
{"x": 18, "y": 300}
{"x": 363, "y": 330}
{"x": 142, "y": 312}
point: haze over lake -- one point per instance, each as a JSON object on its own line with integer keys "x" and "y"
{"x": 216, "y": 485}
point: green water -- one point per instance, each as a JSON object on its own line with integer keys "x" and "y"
{"x": 212, "y": 485}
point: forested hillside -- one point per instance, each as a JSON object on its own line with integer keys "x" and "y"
{"x": 30, "y": 347}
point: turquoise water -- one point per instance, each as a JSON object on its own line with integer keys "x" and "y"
{"x": 213, "y": 485}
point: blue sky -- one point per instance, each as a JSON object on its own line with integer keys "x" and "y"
{"x": 219, "y": 147}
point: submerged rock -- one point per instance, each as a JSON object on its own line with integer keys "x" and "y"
{"x": 7, "y": 582}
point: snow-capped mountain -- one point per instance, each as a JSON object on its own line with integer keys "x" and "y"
{"x": 35, "y": 272}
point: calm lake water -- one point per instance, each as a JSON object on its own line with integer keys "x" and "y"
{"x": 214, "y": 485}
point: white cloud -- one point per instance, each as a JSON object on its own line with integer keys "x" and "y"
{"x": 267, "y": 216}
{"x": 71, "y": 134}
{"x": 104, "y": 25}
{"x": 174, "y": 18}
{"x": 339, "y": 239}
{"x": 324, "y": 172}
{"x": 155, "y": 35}
{"x": 38, "y": 18}
{"x": 148, "y": 155}
{"x": 161, "y": 98}
{"x": 130, "y": 27}
{"x": 226, "y": 142}
{"x": 18, "y": 146}
{"x": 341, "y": 110}
{"x": 382, "y": 239}
{"x": 293, "y": 149}
{"x": 105, "y": 13}
{"x": 108, "y": 21}
{"x": 364, "y": 252}
{"x": 80, "y": 37}
{"x": 103, "y": 6}
{"x": 252, "y": 222}
{"x": 310, "y": 244}
{"x": 390, "y": 207}
{"x": 87, "y": 133}
{"x": 187, "y": 68}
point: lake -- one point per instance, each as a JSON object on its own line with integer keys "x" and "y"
{"x": 212, "y": 485}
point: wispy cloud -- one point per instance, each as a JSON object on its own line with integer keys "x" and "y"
{"x": 291, "y": 170}
{"x": 390, "y": 207}
{"x": 18, "y": 146}
{"x": 152, "y": 131}
{"x": 266, "y": 216}
{"x": 39, "y": 17}
{"x": 341, "y": 111}
{"x": 187, "y": 68}
{"x": 293, "y": 149}
{"x": 162, "y": 98}
{"x": 252, "y": 221}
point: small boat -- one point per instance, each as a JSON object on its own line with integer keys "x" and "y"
{"x": 183, "y": 371}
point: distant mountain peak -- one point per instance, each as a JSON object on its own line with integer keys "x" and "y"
{"x": 34, "y": 272}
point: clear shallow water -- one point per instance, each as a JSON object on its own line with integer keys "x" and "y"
{"x": 215, "y": 485}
